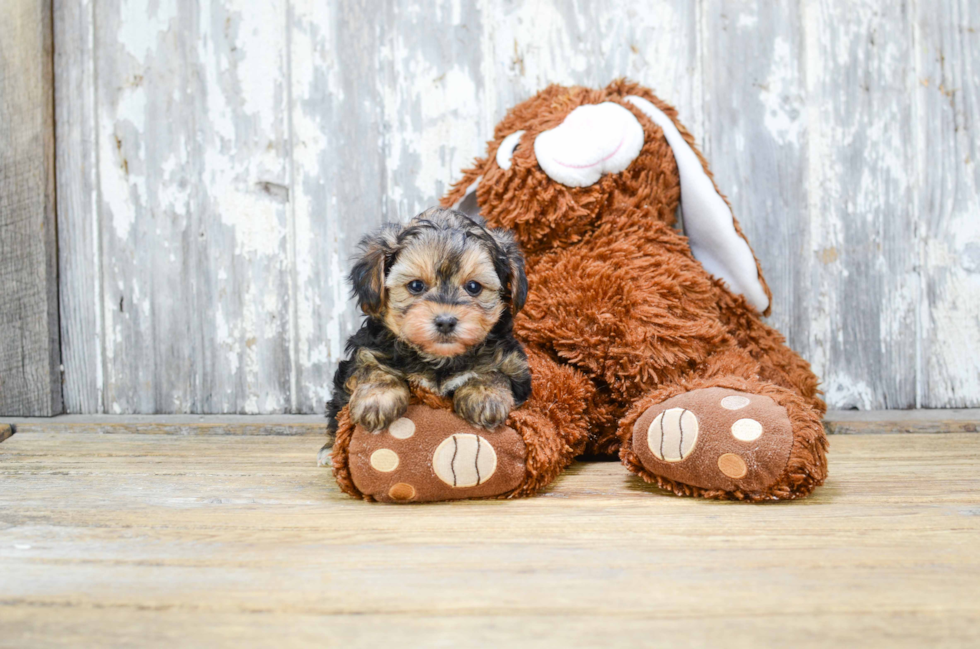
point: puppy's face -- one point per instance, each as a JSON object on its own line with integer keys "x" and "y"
{"x": 443, "y": 295}
{"x": 443, "y": 282}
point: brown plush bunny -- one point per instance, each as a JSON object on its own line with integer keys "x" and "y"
{"x": 643, "y": 340}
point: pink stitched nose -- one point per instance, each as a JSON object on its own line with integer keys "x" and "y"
{"x": 592, "y": 140}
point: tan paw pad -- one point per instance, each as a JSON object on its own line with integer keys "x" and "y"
{"x": 402, "y": 491}
{"x": 734, "y": 402}
{"x": 384, "y": 460}
{"x": 673, "y": 434}
{"x": 732, "y": 465}
{"x": 464, "y": 460}
{"x": 746, "y": 430}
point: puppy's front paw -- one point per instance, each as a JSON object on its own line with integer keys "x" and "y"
{"x": 375, "y": 407}
{"x": 323, "y": 457}
{"x": 483, "y": 406}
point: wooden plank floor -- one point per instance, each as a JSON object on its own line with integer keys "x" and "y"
{"x": 213, "y": 540}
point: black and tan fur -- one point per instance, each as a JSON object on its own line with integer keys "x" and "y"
{"x": 479, "y": 363}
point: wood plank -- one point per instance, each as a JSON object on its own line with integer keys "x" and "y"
{"x": 947, "y": 109}
{"x": 6, "y": 431}
{"x": 860, "y": 306}
{"x": 30, "y": 376}
{"x": 839, "y": 422}
{"x": 193, "y": 144}
{"x": 173, "y": 627}
{"x": 431, "y": 79}
{"x": 863, "y": 422}
{"x": 79, "y": 236}
{"x": 175, "y": 424}
{"x": 223, "y": 540}
{"x": 756, "y": 116}
{"x": 338, "y": 160}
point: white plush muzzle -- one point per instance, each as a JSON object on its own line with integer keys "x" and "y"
{"x": 594, "y": 139}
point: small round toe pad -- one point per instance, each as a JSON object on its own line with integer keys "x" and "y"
{"x": 402, "y": 492}
{"x": 402, "y": 428}
{"x": 384, "y": 460}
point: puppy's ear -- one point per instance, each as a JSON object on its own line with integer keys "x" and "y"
{"x": 367, "y": 277}
{"x": 510, "y": 268}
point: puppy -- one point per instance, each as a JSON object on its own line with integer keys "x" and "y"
{"x": 440, "y": 294}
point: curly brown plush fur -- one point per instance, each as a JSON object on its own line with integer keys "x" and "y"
{"x": 621, "y": 316}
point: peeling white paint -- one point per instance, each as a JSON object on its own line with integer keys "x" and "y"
{"x": 142, "y": 22}
{"x": 258, "y": 225}
{"x": 260, "y": 29}
{"x": 117, "y": 202}
{"x": 846, "y": 393}
{"x": 782, "y": 112}
{"x": 227, "y": 341}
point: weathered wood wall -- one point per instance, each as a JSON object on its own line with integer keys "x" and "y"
{"x": 218, "y": 160}
{"x": 30, "y": 375}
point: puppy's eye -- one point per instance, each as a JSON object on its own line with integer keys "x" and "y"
{"x": 506, "y": 150}
{"x": 473, "y": 288}
{"x": 416, "y": 286}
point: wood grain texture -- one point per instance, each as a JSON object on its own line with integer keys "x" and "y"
{"x": 287, "y": 425}
{"x": 30, "y": 375}
{"x": 79, "y": 236}
{"x": 947, "y": 108}
{"x": 836, "y": 422}
{"x": 754, "y": 78}
{"x": 889, "y": 422}
{"x": 219, "y": 162}
{"x": 192, "y": 138}
{"x": 861, "y": 262}
{"x": 241, "y": 540}
{"x": 338, "y": 179}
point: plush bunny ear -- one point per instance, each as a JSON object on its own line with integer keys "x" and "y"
{"x": 708, "y": 221}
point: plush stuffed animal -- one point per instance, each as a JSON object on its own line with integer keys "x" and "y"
{"x": 644, "y": 339}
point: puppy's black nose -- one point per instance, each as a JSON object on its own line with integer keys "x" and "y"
{"x": 446, "y": 323}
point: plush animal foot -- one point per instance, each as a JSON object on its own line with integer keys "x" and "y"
{"x": 430, "y": 454}
{"x": 716, "y": 439}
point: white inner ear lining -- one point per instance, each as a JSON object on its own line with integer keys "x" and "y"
{"x": 506, "y": 149}
{"x": 708, "y": 221}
